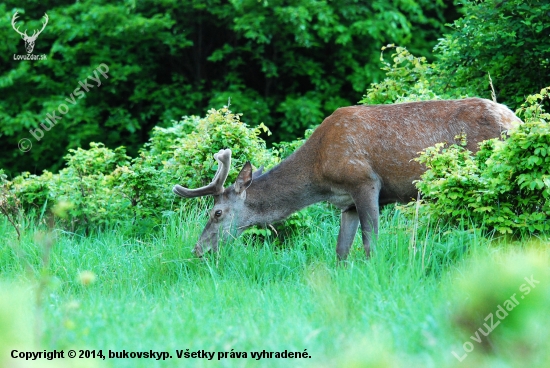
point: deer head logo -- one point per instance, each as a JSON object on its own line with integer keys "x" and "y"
{"x": 29, "y": 40}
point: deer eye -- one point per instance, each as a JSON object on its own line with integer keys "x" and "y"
{"x": 218, "y": 213}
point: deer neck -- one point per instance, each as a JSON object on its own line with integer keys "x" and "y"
{"x": 285, "y": 189}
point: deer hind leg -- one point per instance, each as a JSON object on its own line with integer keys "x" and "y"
{"x": 349, "y": 222}
{"x": 366, "y": 202}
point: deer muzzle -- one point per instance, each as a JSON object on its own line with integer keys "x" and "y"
{"x": 198, "y": 250}
{"x": 205, "y": 246}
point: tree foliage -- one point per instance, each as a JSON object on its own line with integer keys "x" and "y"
{"x": 510, "y": 40}
{"x": 285, "y": 64}
{"x": 506, "y": 42}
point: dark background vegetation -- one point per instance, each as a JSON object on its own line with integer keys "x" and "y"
{"x": 287, "y": 64}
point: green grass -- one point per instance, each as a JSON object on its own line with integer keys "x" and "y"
{"x": 404, "y": 307}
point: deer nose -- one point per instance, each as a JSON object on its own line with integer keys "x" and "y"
{"x": 197, "y": 251}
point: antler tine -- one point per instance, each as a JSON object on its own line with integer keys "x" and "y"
{"x": 216, "y": 186}
{"x": 43, "y": 24}
{"x": 35, "y": 33}
{"x": 13, "y": 20}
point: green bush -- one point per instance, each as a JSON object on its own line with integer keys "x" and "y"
{"x": 183, "y": 154}
{"x": 102, "y": 186}
{"x": 505, "y": 186}
{"x": 86, "y": 189}
{"x": 409, "y": 78}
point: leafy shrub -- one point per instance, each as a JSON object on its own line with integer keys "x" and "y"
{"x": 409, "y": 78}
{"x": 9, "y": 204}
{"x": 183, "y": 154}
{"x": 505, "y": 186}
{"x": 285, "y": 149}
{"x": 88, "y": 185}
{"x": 102, "y": 186}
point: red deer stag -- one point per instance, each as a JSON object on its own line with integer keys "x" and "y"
{"x": 358, "y": 159}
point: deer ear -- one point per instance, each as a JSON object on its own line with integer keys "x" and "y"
{"x": 244, "y": 179}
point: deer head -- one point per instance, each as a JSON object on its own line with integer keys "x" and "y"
{"x": 29, "y": 40}
{"x": 228, "y": 217}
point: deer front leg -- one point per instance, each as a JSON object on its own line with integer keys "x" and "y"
{"x": 366, "y": 202}
{"x": 349, "y": 222}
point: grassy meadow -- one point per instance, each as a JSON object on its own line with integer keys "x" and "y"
{"x": 418, "y": 302}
